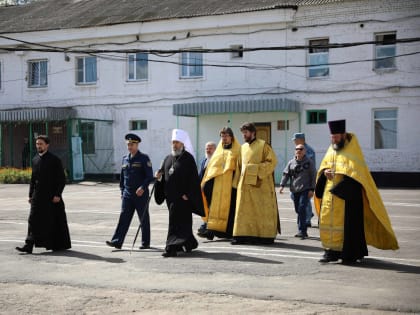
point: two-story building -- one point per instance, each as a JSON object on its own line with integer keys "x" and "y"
{"x": 87, "y": 72}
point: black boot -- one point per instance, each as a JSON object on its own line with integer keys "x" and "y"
{"x": 330, "y": 256}
{"x": 170, "y": 253}
{"x": 27, "y": 248}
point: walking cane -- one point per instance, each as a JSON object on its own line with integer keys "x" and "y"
{"x": 146, "y": 209}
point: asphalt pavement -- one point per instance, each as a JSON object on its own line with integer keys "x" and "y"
{"x": 286, "y": 273}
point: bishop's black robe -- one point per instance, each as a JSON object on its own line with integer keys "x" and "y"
{"x": 180, "y": 177}
{"x": 47, "y": 223}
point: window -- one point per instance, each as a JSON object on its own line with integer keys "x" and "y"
{"x": 138, "y": 124}
{"x": 385, "y": 126}
{"x": 316, "y": 116}
{"x": 86, "y": 70}
{"x": 318, "y": 58}
{"x": 87, "y": 133}
{"x": 191, "y": 65}
{"x": 282, "y": 125}
{"x": 238, "y": 53}
{"x": 385, "y": 52}
{"x": 138, "y": 66}
{"x": 38, "y": 76}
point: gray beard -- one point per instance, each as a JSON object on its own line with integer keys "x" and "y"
{"x": 177, "y": 152}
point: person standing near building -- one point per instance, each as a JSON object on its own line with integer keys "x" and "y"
{"x": 47, "y": 222}
{"x": 210, "y": 147}
{"x": 299, "y": 138}
{"x": 256, "y": 217}
{"x": 302, "y": 173}
{"x": 136, "y": 175}
{"x": 220, "y": 201}
{"x": 351, "y": 210}
{"x": 178, "y": 184}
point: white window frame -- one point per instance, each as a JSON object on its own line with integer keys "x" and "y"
{"x": 84, "y": 70}
{"x": 312, "y": 67}
{"x": 30, "y": 67}
{"x": 377, "y": 47}
{"x": 188, "y": 67}
{"x": 135, "y": 78}
{"x": 384, "y": 119}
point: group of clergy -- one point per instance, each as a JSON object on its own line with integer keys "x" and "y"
{"x": 240, "y": 201}
{"x": 235, "y": 196}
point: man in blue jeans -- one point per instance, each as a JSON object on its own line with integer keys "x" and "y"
{"x": 302, "y": 174}
{"x": 299, "y": 138}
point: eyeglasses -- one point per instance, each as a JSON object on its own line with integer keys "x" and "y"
{"x": 298, "y": 149}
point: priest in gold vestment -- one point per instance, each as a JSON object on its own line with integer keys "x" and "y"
{"x": 351, "y": 212}
{"x": 256, "y": 218}
{"x": 219, "y": 187}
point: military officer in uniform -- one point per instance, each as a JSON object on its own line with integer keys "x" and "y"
{"x": 136, "y": 174}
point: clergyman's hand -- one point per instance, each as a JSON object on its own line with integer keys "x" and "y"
{"x": 158, "y": 175}
{"x": 139, "y": 192}
{"x": 185, "y": 197}
{"x": 56, "y": 199}
{"x": 329, "y": 173}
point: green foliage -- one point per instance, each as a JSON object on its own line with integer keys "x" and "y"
{"x": 15, "y": 175}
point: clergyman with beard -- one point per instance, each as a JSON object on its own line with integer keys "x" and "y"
{"x": 256, "y": 216}
{"x": 179, "y": 184}
{"x": 352, "y": 214}
{"x": 47, "y": 222}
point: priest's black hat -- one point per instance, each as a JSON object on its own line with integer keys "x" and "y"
{"x": 337, "y": 126}
{"x": 132, "y": 138}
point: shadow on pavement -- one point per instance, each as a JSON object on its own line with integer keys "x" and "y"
{"x": 82, "y": 255}
{"x": 371, "y": 263}
{"x": 227, "y": 256}
{"x": 306, "y": 248}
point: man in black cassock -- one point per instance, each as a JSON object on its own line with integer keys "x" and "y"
{"x": 178, "y": 183}
{"x": 47, "y": 222}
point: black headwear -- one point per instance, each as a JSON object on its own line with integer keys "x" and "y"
{"x": 132, "y": 138}
{"x": 337, "y": 126}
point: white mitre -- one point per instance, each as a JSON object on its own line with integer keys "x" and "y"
{"x": 182, "y": 136}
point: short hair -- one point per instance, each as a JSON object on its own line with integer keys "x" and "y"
{"x": 249, "y": 126}
{"x": 226, "y": 131}
{"x": 43, "y": 138}
{"x": 211, "y": 143}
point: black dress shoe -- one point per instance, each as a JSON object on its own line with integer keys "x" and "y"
{"x": 145, "y": 247}
{"x": 111, "y": 244}
{"x": 171, "y": 253}
{"x": 330, "y": 256}
{"x": 25, "y": 249}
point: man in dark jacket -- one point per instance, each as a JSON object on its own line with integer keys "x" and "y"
{"x": 302, "y": 173}
{"x": 47, "y": 222}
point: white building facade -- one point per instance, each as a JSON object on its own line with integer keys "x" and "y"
{"x": 87, "y": 102}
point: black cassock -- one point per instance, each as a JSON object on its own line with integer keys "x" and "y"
{"x": 180, "y": 177}
{"x": 354, "y": 244}
{"x": 47, "y": 223}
